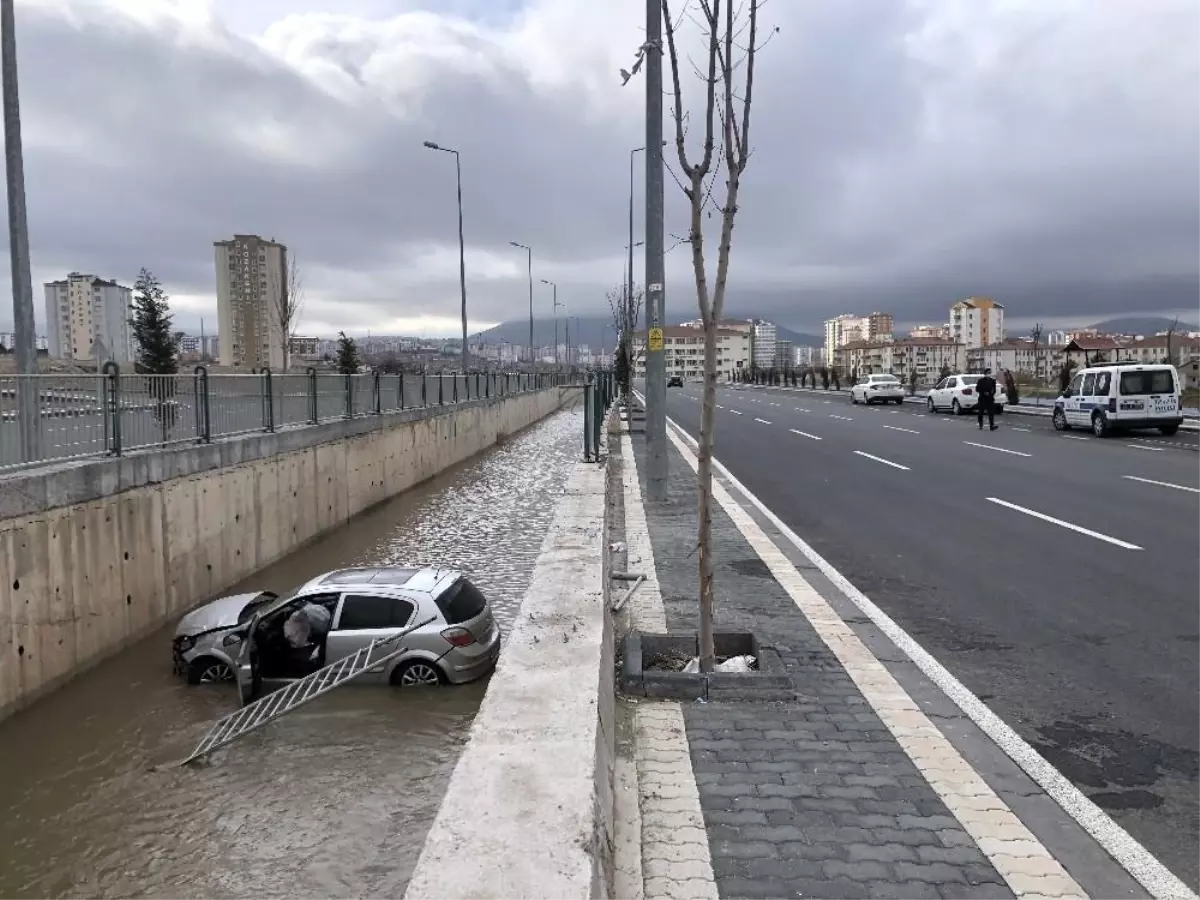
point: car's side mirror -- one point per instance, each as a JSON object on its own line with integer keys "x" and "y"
{"x": 1068, "y": 393}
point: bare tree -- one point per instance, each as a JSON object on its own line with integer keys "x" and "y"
{"x": 732, "y": 45}
{"x": 1171, "y": 340}
{"x": 289, "y": 303}
{"x": 626, "y": 311}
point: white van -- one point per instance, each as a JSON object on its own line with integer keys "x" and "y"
{"x": 1116, "y": 397}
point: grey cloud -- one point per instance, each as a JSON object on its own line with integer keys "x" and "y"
{"x": 1044, "y": 187}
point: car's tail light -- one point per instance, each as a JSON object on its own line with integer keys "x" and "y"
{"x": 458, "y": 637}
{"x": 1112, "y": 404}
{"x": 967, "y": 391}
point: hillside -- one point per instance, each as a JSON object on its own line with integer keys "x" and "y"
{"x": 1140, "y": 325}
{"x": 596, "y": 332}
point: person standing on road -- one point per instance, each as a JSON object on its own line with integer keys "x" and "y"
{"x": 986, "y": 388}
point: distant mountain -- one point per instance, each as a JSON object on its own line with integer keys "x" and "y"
{"x": 596, "y": 332}
{"x": 799, "y": 338}
{"x": 1140, "y": 325}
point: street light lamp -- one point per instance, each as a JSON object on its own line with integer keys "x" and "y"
{"x": 462, "y": 260}
{"x": 554, "y": 286}
{"x": 529, "y": 262}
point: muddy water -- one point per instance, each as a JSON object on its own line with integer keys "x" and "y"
{"x": 332, "y": 800}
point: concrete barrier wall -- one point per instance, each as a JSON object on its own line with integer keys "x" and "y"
{"x": 98, "y": 553}
{"x": 529, "y": 809}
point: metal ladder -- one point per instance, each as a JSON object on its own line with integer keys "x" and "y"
{"x": 254, "y": 715}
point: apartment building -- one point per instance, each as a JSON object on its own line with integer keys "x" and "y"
{"x": 901, "y": 357}
{"x": 88, "y": 317}
{"x": 930, "y": 331}
{"x": 1013, "y": 356}
{"x": 784, "y": 355}
{"x": 849, "y": 328}
{"x": 683, "y": 351}
{"x": 764, "y": 336}
{"x": 808, "y": 356}
{"x": 977, "y": 322}
{"x": 251, "y": 286}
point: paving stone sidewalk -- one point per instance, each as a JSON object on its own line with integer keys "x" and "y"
{"x": 806, "y": 798}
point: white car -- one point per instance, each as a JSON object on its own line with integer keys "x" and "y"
{"x": 877, "y": 388}
{"x": 1119, "y": 397}
{"x": 957, "y": 393}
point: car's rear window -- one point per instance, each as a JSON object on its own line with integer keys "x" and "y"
{"x": 461, "y": 601}
{"x": 1152, "y": 381}
{"x": 885, "y": 378}
{"x": 969, "y": 379}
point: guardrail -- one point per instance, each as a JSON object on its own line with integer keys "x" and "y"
{"x": 114, "y": 412}
{"x": 599, "y": 391}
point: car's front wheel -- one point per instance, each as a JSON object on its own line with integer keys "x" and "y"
{"x": 956, "y": 407}
{"x": 418, "y": 673}
{"x": 1060, "y": 421}
{"x": 853, "y": 398}
{"x": 209, "y": 670}
{"x": 929, "y": 404}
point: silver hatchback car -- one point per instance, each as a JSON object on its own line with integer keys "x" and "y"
{"x": 242, "y": 637}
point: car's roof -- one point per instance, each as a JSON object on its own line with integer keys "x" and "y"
{"x": 1134, "y": 366}
{"x": 421, "y": 579}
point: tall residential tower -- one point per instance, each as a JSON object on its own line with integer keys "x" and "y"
{"x": 88, "y": 318}
{"x": 251, "y": 290}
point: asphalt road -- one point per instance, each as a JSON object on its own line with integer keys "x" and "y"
{"x": 1086, "y": 642}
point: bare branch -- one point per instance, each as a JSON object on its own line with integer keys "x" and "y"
{"x": 289, "y": 303}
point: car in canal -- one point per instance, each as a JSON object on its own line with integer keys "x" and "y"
{"x": 245, "y": 637}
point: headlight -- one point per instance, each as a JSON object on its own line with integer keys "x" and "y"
{"x": 231, "y": 640}
{"x": 185, "y": 643}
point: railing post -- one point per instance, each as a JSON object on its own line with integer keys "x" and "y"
{"x": 400, "y": 405}
{"x": 203, "y": 415}
{"x": 349, "y": 412}
{"x": 377, "y": 397}
{"x": 441, "y": 390}
{"x": 112, "y": 372}
{"x": 587, "y": 422}
{"x": 425, "y": 390}
{"x": 268, "y": 399}
{"x": 313, "y": 410}
{"x": 455, "y": 377}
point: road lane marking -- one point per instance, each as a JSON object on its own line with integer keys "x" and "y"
{"x": 826, "y": 401}
{"x": 843, "y": 418}
{"x": 879, "y": 459}
{"x": 1139, "y": 862}
{"x": 798, "y": 409}
{"x": 997, "y": 449}
{"x": 764, "y": 421}
{"x": 1073, "y": 437}
{"x": 1018, "y": 428}
{"x": 920, "y": 415}
{"x": 804, "y": 434}
{"x": 1140, "y": 447}
{"x": 1068, "y": 525}
{"x": 1167, "y": 484}
{"x": 735, "y": 412}
{"x": 774, "y": 404}
{"x": 719, "y": 406}
{"x": 898, "y": 428}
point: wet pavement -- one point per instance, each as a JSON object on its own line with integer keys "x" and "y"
{"x": 333, "y": 800}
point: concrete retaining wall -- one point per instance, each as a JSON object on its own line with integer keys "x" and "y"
{"x": 98, "y": 553}
{"x": 529, "y": 809}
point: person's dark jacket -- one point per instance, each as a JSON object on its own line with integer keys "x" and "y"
{"x": 986, "y": 386}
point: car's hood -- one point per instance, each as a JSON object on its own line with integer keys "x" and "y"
{"x": 222, "y": 613}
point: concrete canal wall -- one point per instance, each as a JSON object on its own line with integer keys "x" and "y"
{"x": 96, "y": 554}
{"x": 532, "y": 795}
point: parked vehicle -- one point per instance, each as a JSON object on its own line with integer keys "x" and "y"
{"x": 877, "y": 389}
{"x": 675, "y": 381}
{"x": 957, "y": 393}
{"x": 1117, "y": 397}
{"x": 243, "y": 637}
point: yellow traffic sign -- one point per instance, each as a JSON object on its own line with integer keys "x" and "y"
{"x": 656, "y": 339}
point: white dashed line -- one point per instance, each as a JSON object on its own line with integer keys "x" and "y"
{"x": 1068, "y": 525}
{"x": 843, "y": 418}
{"x": 898, "y": 428}
{"x": 1073, "y": 437}
{"x": 1166, "y": 484}
{"x": 1018, "y": 428}
{"x": 1140, "y": 447}
{"x": 735, "y": 412}
{"x": 763, "y": 421}
{"x": 880, "y": 459}
{"x": 804, "y": 434}
{"x": 997, "y": 449}
{"x": 798, "y": 409}
{"x": 719, "y": 406}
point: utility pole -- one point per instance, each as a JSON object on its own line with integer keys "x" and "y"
{"x": 554, "y": 288}
{"x": 529, "y": 266}
{"x": 24, "y": 325}
{"x": 462, "y": 260}
{"x": 632, "y": 326}
{"x": 656, "y": 376}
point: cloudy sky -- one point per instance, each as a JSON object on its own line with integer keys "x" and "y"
{"x": 1046, "y": 152}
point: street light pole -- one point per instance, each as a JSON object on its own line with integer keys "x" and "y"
{"x": 24, "y": 325}
{"x": 554, "y": 287}
{"x": 529, "y": 265}
{"x": 656, "y": 375}
{"x": 462, "y": 257}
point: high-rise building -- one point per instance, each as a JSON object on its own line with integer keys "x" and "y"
{"x": 251, "y": 291}
{"x": 763, "y": 336}
{"x": 88, "y": 317}
{"x": 930, "y": 331}
{"x": 977, "y": 322}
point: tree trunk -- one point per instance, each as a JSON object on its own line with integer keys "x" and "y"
{"x": 704, "y": 488}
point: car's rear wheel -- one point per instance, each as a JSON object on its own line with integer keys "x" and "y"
{"x": 1168, "y": 430}
{"x": 854, "y": 398}
{"x": 1099, "y": 424}
{"x": 209, "y": 670}
{"x": 418, "y": 673}
{"x": 956, "y": 407}
{"x": 900, "y": 401}
{"x": 1060, "y": 421}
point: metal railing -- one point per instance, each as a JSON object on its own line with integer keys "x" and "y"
{"x": 114, "y": 412}
{"x": 599, "y": 392}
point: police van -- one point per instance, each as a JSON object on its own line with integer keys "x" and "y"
{"x": 1117, "y": 397}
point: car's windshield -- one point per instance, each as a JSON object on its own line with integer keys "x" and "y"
{"x": 1153, "y": 381}
{"x": 256, "y": 604}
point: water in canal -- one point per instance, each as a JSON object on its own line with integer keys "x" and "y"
{"x": 333, "y": 800}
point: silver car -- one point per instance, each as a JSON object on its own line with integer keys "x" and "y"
{"x": 242, "y": 637}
